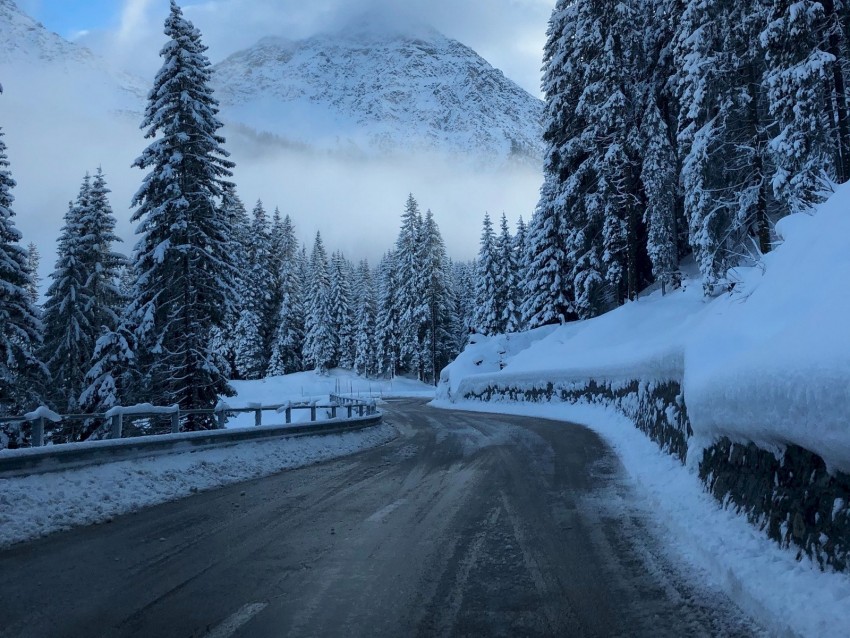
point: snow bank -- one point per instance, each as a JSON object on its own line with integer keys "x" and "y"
{"x": 788, "y": 596}
{"x": 309, "y": 387}
{"x": 768, "y": 363}
{"x": 772, "y": 362}
{"x": 37, "y": 505}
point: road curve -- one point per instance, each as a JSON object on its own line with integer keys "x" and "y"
{"x": 465, "y": 525}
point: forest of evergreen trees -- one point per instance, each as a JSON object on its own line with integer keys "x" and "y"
{"x": 675, "y": 128}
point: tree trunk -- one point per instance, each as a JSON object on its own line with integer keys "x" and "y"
{"x": 834, "y": 24}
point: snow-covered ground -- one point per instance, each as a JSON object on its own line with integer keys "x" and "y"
{"x": 307, "y": 387}
{"x": 789, "y": 597}
{"x": 37, "y": 505}
{"x": 768, "y": 362}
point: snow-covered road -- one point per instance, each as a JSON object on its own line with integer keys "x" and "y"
{"x": 466, "y": 524}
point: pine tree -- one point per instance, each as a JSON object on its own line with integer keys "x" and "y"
{"x": 488, "y": 305}
{"x": 438, "y": 342}
{"x": 251, "y": 338}
{"x": 33, "y": 263}
{"x": 797, "y": 82}
{"x": 342, "y": 312}
{"x": 102, "y": 265}
{"x": 70, "y": 332}
{"x": 412, "y": 311}
{"x": 365, "y": 337}
{"x": 320, "y": 342}
{"x": 507, "y": 282}
{"x": 389, "y": 319}
{"x": 224, "y": 339}
{"x": 184, "y": 270}
{"x": 289, "y": 334}
{"x": 463, "y": 286}
{"x": 22, "y": 374}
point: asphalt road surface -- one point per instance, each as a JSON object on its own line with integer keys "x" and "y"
{"x": 465, "y": 525}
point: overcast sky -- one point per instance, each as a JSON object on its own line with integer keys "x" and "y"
{"x": 508, "y": 33}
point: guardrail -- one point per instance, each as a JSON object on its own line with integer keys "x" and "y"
{"x": 119, "y": 422}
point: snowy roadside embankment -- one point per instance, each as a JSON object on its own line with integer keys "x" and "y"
{"x": 768, "y": 363}
{"x": 788, "y": 596}
{"x": 37, "y": 505}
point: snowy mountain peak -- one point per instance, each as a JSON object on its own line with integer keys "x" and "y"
{"x": 27, "y": 40}
{"x": 374, "y": 90}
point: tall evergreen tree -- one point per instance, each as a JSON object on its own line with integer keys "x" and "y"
{"x": 342, "y": 311}
{"x": 412, "y": 311}
{"x": 289, "y": 334}
{"x": 365, "y": 337}
{"x": 69, "y": 312}
{"x": 256, "y": 303}
{"x": 22, "y": 373}
{"x": 184, "y": 270}
{"x": 440, "y": 327}
{"x": 320, "y": 342}
{"x": 507, "y": 283}
{"x": 389, "y": 321}
{"x": 488, "y": 305}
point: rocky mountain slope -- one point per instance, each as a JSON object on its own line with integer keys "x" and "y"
{"x": 380, "y": 93}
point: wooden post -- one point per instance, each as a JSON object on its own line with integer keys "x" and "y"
{"x": 333, "y": 411}
{"x": 258, "y": 417}
{"x": 38, "y": 432}
{"x": 288, "y": 415}
{"x": 349, "y": 410}
{"x": 360, "y": 409}
{"x": 117, "y": 426}
{"x": 313, "y": 412}
{"x": 222, "y": 419}
{"x": 175, "y": 421}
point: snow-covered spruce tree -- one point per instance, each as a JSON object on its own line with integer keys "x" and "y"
{"x": 659, "y": 180}
{"x": 183, "y": 266}
{"x": 102, "y": 264}
{"x": 22, "y": 374}
{"x": 556, "y": 230}
{"x": 520, "y": 253}
{"x": 342, "y": 311}
{"x": 33, "y": 263}
{"x": 223, "y": 339}
{"x": 798, "y": 79}
{"x": 438, "y": 333}
{"x": 111, "y": 378}
{"x": 259, "y": 283}
{"x": 722, "y": 135}
{"x": 410, "y": 285}
{"x": 463, "y": 286}
{"x": 389, "y": 320}
{"x": 489, "y": 307}
{"x": 320, "y": 342}
{"x": 289, "y": 333}
{"x": 508, "y": 283}
{"x": 365, "y": 338}
{"x": 70, "y": 331}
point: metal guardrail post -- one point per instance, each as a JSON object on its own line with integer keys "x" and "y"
{"x": 117, "y": 426}
{"x": 222, "y": 419}
{"x": 258, "y": 417}
{"x": 38, "y": 432}
{"x": 288, "y": 415}
{"x": 175, "y": 421}
{"x": 313, "y": 413}
{"x": 349, "y": 410}
{"x": 333, "y": 411}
